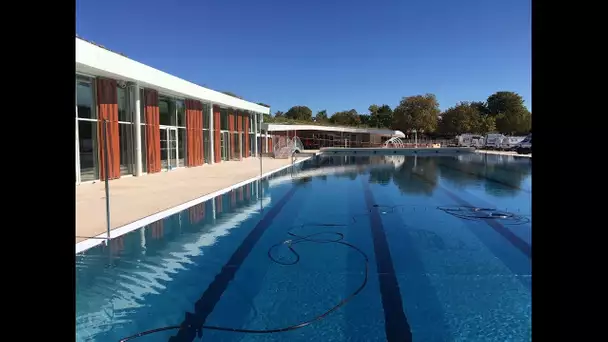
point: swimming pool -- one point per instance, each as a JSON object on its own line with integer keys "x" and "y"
{"x": 442, "y": 265}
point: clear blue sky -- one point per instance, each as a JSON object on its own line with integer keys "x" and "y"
{"x": 325, "y": 54}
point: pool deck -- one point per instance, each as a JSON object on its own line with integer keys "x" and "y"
{"x": 504, "y": 153}
{"x": 134, "y": 198}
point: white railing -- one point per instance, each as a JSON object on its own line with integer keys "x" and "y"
{"x": 284, "y": 147}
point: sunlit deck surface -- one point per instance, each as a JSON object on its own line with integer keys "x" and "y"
{"x": 133, "y": 198}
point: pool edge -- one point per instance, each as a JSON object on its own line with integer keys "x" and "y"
{"x": 129, "y": 227}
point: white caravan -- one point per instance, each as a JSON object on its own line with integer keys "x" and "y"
{"x": 510, "y": 143}
{"x": 493, "y": 141}
{"x": 469, "y": 140}
{"x": 525, "y": 146}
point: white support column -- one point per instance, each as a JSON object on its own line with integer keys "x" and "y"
{"x": 211, "y": 128}
{"x": 137, "y": 122}
{"x": 255, "y": 133}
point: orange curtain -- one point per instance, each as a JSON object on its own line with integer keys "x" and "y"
{"x": 216, "y": 134}
{"x": 107, "y": 108}
{"x": 194, "y": 132}
{"x": 152, "y": 130}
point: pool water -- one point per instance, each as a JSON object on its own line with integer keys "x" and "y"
{"x": 439, "y": 268}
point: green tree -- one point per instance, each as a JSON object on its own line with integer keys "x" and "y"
{"x": 364, "y": 119}
{"x": 321, "y": 116}
{"x": 486, "y": 124}
{"x": 418, "y": 112}
{"x": 462, "y": 118}
{"x": 510, "y": 113}
{"x": 302, "y": 113}
{"x": 267, "y": 118}
{"x": 482, "y": 107}
{"x": 346, "y": 118}
{"x": 279, "y": 114}
{"x": 381, "y": 117}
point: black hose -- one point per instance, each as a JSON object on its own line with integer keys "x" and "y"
{"x": 290, "y": 245}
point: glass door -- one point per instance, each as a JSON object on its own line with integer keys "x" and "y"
{"x": 225, "y": 145}
{"x": 168, "y": 148}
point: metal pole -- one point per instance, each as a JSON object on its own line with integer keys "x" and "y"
{"x": 105, "y": 167}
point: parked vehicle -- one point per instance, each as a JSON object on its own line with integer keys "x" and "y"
{"x": 510, "y": 143}
{"x": 525, "y": 146}
{"x": 493, "y": 141}
{"x": 469, "y": 140}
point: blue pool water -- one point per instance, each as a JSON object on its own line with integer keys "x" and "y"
{"x": 434, "y": 275}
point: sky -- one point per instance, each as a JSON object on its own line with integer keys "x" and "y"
{"x": 333, "y": 55}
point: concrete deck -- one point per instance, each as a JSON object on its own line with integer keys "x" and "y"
{"x": 504, "y": 153}
{"x": 134, "y": 198}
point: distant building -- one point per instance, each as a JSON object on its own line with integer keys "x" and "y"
{"x": 317, "y": 136}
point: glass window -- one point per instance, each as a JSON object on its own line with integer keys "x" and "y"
{"x": 181, "y": 113}
{"x": 251, "y": 116}
{"x": 206, "y": 113}
{"x": 207, "y": 146}
{"x": 85, "y": 98}
{"x": 123, "y": 113}
{"x": 181, "y": 142}
{"x": 144, "y": 153}
{"x": 223, "y": 119}
{"x": 166, "y": 109}
{"x": 126, "y": 151}
{"x": 142, "y": 106}
{"x": 87, "y": 141}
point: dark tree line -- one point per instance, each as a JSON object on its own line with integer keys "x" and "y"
{"x": 503, "y": 112}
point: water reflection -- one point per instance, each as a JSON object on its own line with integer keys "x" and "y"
{"x": 500, "y": 175}
{"x": 114, "y": 283}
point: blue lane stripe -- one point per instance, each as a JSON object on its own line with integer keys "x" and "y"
{"x": 515, "y": 240}
{"x": 494, "y": 180}
{"x": 205, "y": 305}
{"x": 397, "y": 326}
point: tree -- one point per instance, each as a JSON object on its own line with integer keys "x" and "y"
{"x": 465, "y": 117}
{"x": 462, "y": 118}
{"x": 279, "y": 114}
{"x": 510, "y": 112}
{"x": 364, "y": 119}
{"x": 381, "y": 116}
{"x": 346, "y": 118}
{"x": 417, "y": 113}
{"x": 267, "y": 118}
{"x": 299, "y": 113}
{"x": 486, "y": 124}
{"x": 482, "y": 107}
{"x": 321, "y": 116}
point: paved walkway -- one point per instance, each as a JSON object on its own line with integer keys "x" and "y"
{"x": 134, "y": 198}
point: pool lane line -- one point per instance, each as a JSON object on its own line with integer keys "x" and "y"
{"x": 494, "y": 180}
{"x": 515, "y": 240}
{"x": 396, "y": 325}
{"x": 212, "y": 295}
